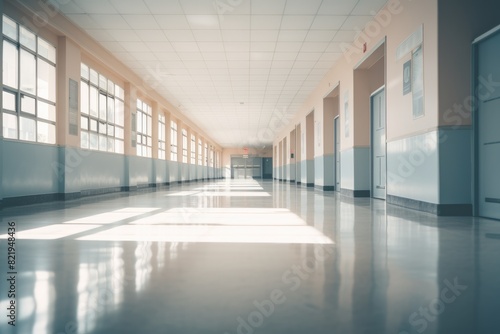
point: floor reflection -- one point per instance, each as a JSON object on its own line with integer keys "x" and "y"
{"x": 154, "y": 263}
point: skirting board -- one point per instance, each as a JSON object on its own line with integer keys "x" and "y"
{"x": 355, "y": 193}
{"x": 436, "y": 209}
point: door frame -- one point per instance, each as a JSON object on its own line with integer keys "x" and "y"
{"x": 375, "y": 92}
{"x": 336, "y": 150}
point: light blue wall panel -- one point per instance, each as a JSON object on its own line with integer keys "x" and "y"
{"x": 173, "y": 169}
{"x": 161, "y": 170}
{"x": 292, "y": 172}
{"x": 298, "y": 173}
{"x": 140, "y": 171}
{"x": 199, "y": 172}
{"x": 455, "y": 166}
{"x": 97, "y": 170}
{"x": 347, "y": 168}
{"x": 310, "y": 171}
{"x": 184, "y": 170}
{"x": 362, "y": 168}
{"x": 413, "y": 167}
{"x": 303, "y": 168}
{"x": 329, "y": 170}
{"x": 1, "y": 156}
{"x": 29, "y": 169}
{"x": 319, "y": 171}
{"x": 192, "y": 172}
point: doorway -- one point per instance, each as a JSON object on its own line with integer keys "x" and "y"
{"x": 378, "y": 135}
{"x": 487, "y": 123}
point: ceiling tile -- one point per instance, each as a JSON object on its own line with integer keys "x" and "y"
{"x": 302, "y": 7}
{"x": 203, "y": 21}
{"x": 266, "y": 7}
{"x": 292, "y": 35}
{"x": 172, "y": 22}
{"x": 368, "y": 7}
{"x": 342, "y": 7}
{"x": 329, "y": 22}
{"x": 297, "y": 22}
{"x": 179, "y": 35}
{"x": 262, "y": 46}
{"x": 266, "y": 22}
{"x": 198, "y": 7}
{"x": 320, "y": 35}
{"x": 151, "y": 35}
{"x": 85, "y": 21}
{"x": 110, "y": 21}
{"x": 140, "y": 22}
{"x": 124, "y": 35}
{"x": 356, "y": 22}
{"x": 236, "y": 35}
{"x": 264, "y": 35}
{"x": 207, "y": 35}
{"x": 164, "y": 7}
{"x": 130, "y": 6}
{"x": 100, "y": 35}
{"x": 238, "y": 22}
{"x": 288, "y": 46}
{"x": 96, "y": 6}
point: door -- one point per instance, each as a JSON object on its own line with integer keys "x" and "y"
{"x": 378, "y": 144}
{"x": 267, "y": 168}
{"x": 488, "y": 123}
{"x": 336, "y": 146}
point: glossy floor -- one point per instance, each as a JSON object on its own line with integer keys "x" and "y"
{"x": 248, "y": 257}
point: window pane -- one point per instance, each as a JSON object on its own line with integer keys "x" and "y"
{"x": 111, "y": 145}
{"x": 119, "y": 92}
{"x": 9, "y": 101}
{"x": 46, "y": 50}
{"x": 144, "y": 123}
{"x": 46, "y": 133}
{"x": 94, "y": 77}
{"x": 103, "y": 143}
{"x": 111, "y": 130}
{"x": 150, "y": 125}
{"x": 27, "y": 38}
{"x": 119, "y": 146}
{"x": 27, "y": 104}
{"x": 9, "y": 126}
{"x": 47, "y": 111}
{"x": 28, "y": 72}
{"x": 139, "y": 104}
{"x": 119, "y": 132}
{"x": 119, "y": 113}
{"x": 102, "y": 106}
{"x": 103, "y": 82}
{"x": 94, "y": 141}
{"x": 139, "y": 121}
{"x": 84, "y": 139}
{"x": 27, "y": 129}
{"x": 84, "y": 92}
{"x": 102, "y": 128}
{"x": 111, "y": 110}
{"x": 84, "y": 71}
{"x": 93, "y": 101}
{"x": 84, "y": 123}
{"x": 46, "y": 80}
{"x": 10, "y": 64}
{"x": 9, "y": 28}
{"x": 111, "y": 87}
{"x": 93, "y": 125}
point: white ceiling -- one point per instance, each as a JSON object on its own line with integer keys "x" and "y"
{"x": 233, "y": 66}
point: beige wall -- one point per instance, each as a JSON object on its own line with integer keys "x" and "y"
{"x": 404, "y": 18}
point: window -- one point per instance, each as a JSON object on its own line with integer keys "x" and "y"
{"x": 173, "y": 141}
{"x": 161, "y": 137}
{"x": 144, "y": 129}
{"x": 200, "y": 153}
{"x": 193, "y": 150}
{"x": 184, "y": 146}
{"x": 29, "y": 85}
{"x": 102, "y": 111}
